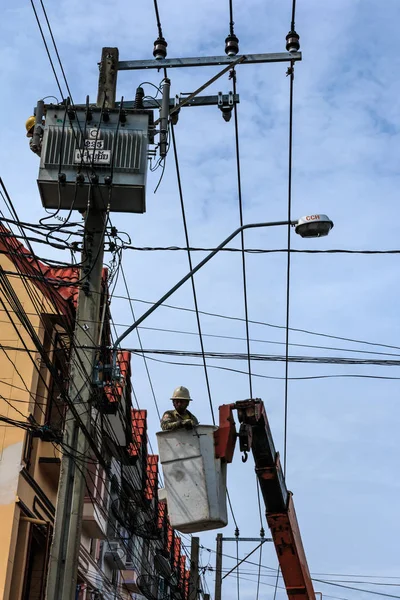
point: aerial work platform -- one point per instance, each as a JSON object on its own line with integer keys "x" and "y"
{"x": 195, "y": 481}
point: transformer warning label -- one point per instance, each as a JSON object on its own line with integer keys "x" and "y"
{"x": 89, "y": 156}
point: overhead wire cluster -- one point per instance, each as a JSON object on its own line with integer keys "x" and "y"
{"x": 116, "y": 263}
{"x": 34, "y": 428}
{"x": 69, "y": 236}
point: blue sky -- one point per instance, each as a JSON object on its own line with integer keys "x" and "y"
{"x": 343, "y": 451}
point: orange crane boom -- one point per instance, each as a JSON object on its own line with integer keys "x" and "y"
{"x": 255, "y": 435}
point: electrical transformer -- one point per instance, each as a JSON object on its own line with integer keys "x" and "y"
{"x": 95, "y": 157}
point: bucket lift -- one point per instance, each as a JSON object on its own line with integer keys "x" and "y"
{"x": 195, "y": 480}
{"x": 193, "y": 474}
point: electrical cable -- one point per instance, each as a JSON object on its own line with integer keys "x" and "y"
{"x": 325, "y": 360}
{"x": 304, "y": 378}
{"x": 132, "y": 389}
{"x": 257, "y": 250}
{"x": 347, "y": 587}
{"x": 47, "y": 48}
{"x": 266, "y": 324}
{"x": 262, "y": 532}
{"x": 32, "y": 338}
{"x": 56, "y": 50}
{"x": 293, "y": 15}
{"x": 61, "y": 65}
{"x": 67, "y": 86}
{"x": 231, "y": 337}
{"x": 158, "y": 19}
{"x": 241, "y": 221}
{"x": 289, "y": 213}
{"x": 313, "y": 578}
{"x": 50, "y": 281}
{"x": 141, "y": 346}
{"x": 191, "y": 268}
{"x": 179, "y": 183}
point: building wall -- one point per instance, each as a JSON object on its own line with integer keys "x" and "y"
{"x": 29, "y": 473}
{"x": 17, "y": 374}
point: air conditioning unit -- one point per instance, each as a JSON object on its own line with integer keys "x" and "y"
{"x": 115, "y": 555}
{"x": 93, "y": 156}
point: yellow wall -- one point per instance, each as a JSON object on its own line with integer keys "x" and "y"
{"x": 17, "y": 385}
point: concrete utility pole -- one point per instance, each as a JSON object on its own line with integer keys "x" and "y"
{"x": 64, "y": 554}
{"x": 218, "y": 568}
{"x": 194, "y": 569}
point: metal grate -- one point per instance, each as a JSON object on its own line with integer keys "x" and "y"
{"x": 126, "y": 148}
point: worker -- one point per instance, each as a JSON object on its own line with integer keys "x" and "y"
{"x": 30, "y": 130}
{"x": 180, "y": 417}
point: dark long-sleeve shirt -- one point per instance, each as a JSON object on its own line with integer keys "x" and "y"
{"x": 171, "y": 420}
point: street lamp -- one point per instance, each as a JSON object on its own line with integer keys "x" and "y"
{"x": 307, "y": 227}
{"x": 313, "y": 226}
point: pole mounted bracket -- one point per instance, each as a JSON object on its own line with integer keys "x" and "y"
{"x": 225, "y": 105}
{"x": 207, "y": 61}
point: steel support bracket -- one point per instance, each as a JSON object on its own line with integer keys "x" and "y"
{"x": 207, "y": 61}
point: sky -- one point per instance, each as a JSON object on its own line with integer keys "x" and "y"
{"x": 342, "y": 443}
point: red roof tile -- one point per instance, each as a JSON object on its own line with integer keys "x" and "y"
{"x": 182, "y": 565}
{"x": 139, "y": 429}
{"x": 46, "y": 278}
{"x": 152, "y": 477}
{"x": 186, "y": 584}
{"x": 170, "y": 538}
{"x": 162, "y": 514}
{"x": 177, "y": 552}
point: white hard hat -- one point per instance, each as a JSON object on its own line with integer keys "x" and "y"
{"x": 181, "y": 393}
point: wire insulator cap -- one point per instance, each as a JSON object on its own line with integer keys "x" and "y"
{"x": 160, "y": 48}
{"x": 231, "y": 45}
{"x": 292, "y": 41}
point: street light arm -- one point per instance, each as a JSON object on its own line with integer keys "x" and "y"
{"x": 190, "y": 274}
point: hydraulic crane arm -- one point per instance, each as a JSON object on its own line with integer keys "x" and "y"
{"x": 255, "y": 435}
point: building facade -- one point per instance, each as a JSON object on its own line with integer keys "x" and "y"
{"x": 128, "y": 550}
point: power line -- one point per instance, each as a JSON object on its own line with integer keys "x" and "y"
{"x": 348, "y": 587}
{"x": 141, "y": 346}
{"x": 276, "y": 378}
{"x": 47, "y": 49}
{"x": 191, "y": 268}
{"x": 50, "y": 280}
{"x": 257, "y": 250}
{"x": 238, "y": 338}
{"x": 264, "y": 323}
{"x": 289, "y": 213}
{"x": 240, "y": 201}
{"x": 331, "y": 360}
{"x": 56, "y": 50}
{"x": 313, "y": 578}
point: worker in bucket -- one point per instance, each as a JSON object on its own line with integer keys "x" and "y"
{"x": 180, "y": 417}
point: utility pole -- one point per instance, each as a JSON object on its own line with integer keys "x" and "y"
{"x": 64, "y": 554}
{"x": 194, "y": 569}
{"x": 218, "y": 568}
